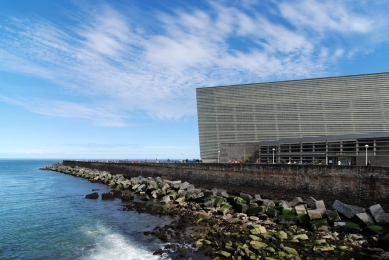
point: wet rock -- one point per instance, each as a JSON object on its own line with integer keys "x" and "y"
{"x": 127, "y": 197}
{"x": 108, "y": 195}
{"x": 93, "y": 195}
{"x": 348, "y": 211}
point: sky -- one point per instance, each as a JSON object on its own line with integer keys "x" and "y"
{"x": 93, "y": 79}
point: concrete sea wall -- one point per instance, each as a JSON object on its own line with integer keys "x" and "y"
{"x": 357, "y": 185}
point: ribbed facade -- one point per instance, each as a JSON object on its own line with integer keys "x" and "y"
{"x": 291, "y": 109}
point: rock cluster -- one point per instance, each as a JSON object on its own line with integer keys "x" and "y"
{"x": 244, "y": 226}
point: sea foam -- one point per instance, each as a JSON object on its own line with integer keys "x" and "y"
{"x": 112, "y": 245}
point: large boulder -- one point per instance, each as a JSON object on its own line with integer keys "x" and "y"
{"x": 346, "y": 210}
{"x": 379, "y": 214}
{"x": 93, "y": 195}
{"x": 127, "y": 197}
{"x": 108, "y": 196}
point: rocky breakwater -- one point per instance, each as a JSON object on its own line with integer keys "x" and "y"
{"x": 220, "y": 225}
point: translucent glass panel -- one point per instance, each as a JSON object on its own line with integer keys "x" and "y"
{"x": 292, "y": 109}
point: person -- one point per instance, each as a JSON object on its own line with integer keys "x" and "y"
{"x": 339, "y": 163}
{"x": 368, "y": 163}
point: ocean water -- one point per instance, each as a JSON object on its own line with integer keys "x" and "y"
{"x": 44, "y": 215}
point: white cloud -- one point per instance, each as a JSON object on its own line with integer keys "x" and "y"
{"x": 118, "y": 67}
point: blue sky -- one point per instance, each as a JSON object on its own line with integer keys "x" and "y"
{"x": 117, "y": 79}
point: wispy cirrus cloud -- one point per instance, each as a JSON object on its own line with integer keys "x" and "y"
{"x": 118, "y": 67}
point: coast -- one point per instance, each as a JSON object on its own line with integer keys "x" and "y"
{"x": 223, "y": 225}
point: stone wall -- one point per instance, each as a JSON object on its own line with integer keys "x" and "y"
{"x": 235, "y": 151}
{"x": 356, "y": 185}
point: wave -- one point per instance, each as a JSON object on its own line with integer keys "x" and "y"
{"x": 109, "y": 244}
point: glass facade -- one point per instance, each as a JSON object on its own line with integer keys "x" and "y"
{"x": 293, "y": 109}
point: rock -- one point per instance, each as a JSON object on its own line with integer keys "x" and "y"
{"x": 257, "y": 197}
{"x": 218, "y": 201}
{"x": 255, "y": 211}
{"x": 176, "y": 184}
{"x": 184, "y": 185}
{"x": 320, "y": 206}
{"x": 165, "y": 199}
{"x": 108, "y": 195}
{"x": 310, "y": 202}
{"x": 302, "y": 214}
{"x": 332, "y": 215}
{"x": 190, "y": 187}
{"x": 252, "y": 218}
{"x": 281, "y": 235}
{"x": 295, "y": 202}
{"x": 349, "y": 227}
{"x": 287, "y": 219}
{"x": 258, "y": 245}
{"x": 93, "y": 195}
{"x": 245, "y": 196}
{"x": 241, "y": 208}
{"x": 364, "y": 219}
{"x": 272, "y": 212}
{"x": 301, "y": 237}
{"x": 239, "y": 200}
{"x": 267, "y": 203}
{"x": 253, "y": 205}
{"x": 180, "y": 200}
{"x": 127, "y": 197}
{"x": 291, "y": 251}
{"x": 224, "y": 209}
{"x": 379, "y": 215}
{"x": 224, "y": 253}
{"x": 348, "y": 211}
{"x": 314, "y": 214}
{"x": 319, "y": 225}
{"x": 210, "y": 193}
{"x": 222, "y": 193}
{"x": 257, "y": 229}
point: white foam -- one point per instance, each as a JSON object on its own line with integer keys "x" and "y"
{"x": 112, "y": 245}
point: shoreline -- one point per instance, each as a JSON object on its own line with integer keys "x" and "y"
{"x": 215, "y": 223}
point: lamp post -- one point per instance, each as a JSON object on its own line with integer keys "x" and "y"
{"x": 273, "y": 154}
{"x": 367, "y": 146}
{"x": 218, "y": 156}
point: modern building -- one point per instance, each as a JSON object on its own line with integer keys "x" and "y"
{"x": 311, "y": 120}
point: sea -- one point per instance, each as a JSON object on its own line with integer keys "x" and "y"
{"x": 45, "y": 215}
